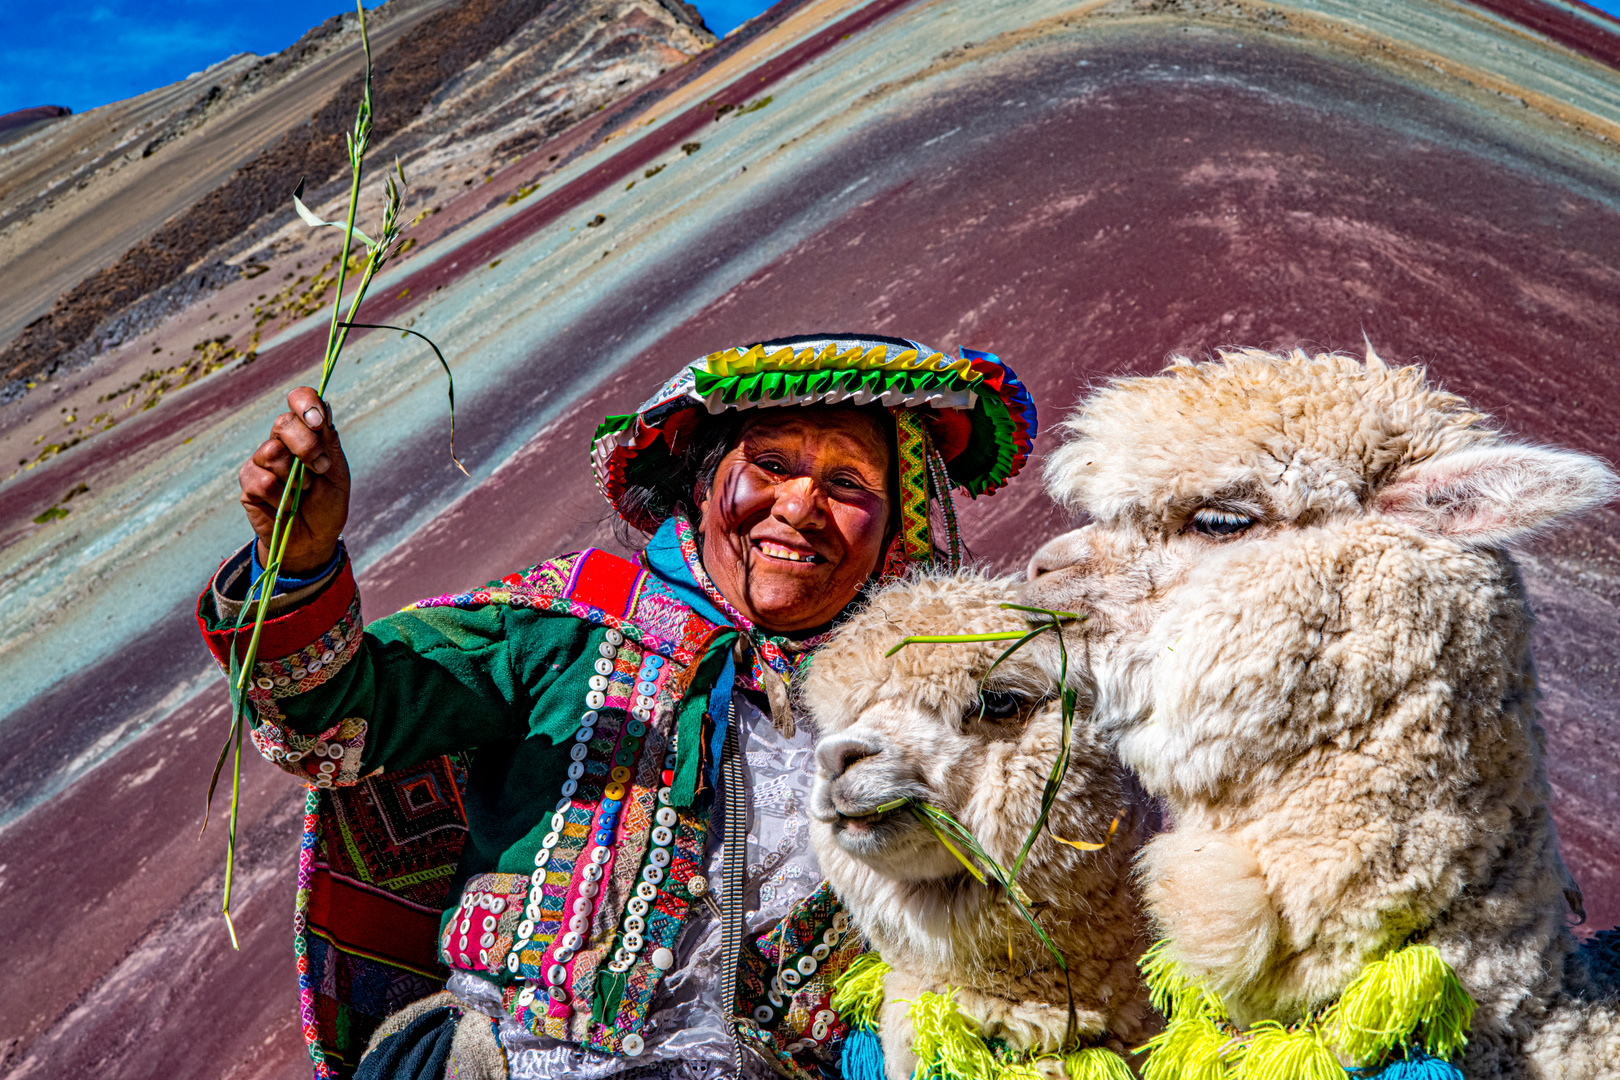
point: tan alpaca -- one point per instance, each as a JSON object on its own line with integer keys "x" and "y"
{"x": 1307, "y": 636}
{"x": 910, "y": 727}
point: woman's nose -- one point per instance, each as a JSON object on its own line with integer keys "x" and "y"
{"x": 799, "y": 502}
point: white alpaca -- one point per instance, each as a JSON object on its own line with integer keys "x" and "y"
{"x": 1307, "y": 635}
{"x": 911, "y": 727}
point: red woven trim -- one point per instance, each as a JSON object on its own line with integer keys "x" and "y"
{"x": 604, "y": 580}
{"x": 290, "y": 632}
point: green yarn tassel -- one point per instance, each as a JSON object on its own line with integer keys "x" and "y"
{"x": 858, "y": 991}
{"x": 1173, "y": 991}
{"x": 1410, "y": 993}
{"x": 1096, "y": 1063}
{"x": 1279, "y": 1053}
{"x": 946, "y": 1044}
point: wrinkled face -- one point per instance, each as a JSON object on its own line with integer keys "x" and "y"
{"x": 796, "y": 518}
{"x": 938, "y": 753}
{"x": 1280, "y": 548}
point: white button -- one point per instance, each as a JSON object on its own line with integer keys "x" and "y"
{"x": 526, "y": 995}
{"x": 776, "y": 999}
{"x": 652, "y": 874}
{"x": 576, "y": 770}
{"x": 624, "y": 955}
{"x": 663, "y": 793}
{"x": 598, "y": 682}
{"x": 557, "y": 994}
{"x": 790, "y": 977}
{"x": 578, "y": 751}
{"x": 578, "y": 923}
{"x": 660, "y": 835}
{"x": 489, "y": 922}
{"x": 658, "y": 856}
{"x": 632, "y": 941}
{"x": 663, "y": 959}
{"x": 641, "y": 713}
{"x": 467, "y": 900}
{"x": 558, "y": 822}
{"x": 619, "y": 965}
{"x": 532, "y": 913}
{"x": 461, "y": 943}
{"x": 595, "y": 699}
{"x": 666, "y": 817}
{"x": 604, "y": 666}
{"x": 556, "y": 975}
{"x": 564, "y": 804}
{"x": 807, "y": 965}
{"x": 795, "y": 1047}
{"x": 589, "y": 888}
{"x": 600, "y": 855}
{"x": 572, "y": 941}
{"x": 634, "y": 924}
{"x": 483, "y": 900}
{"x": 841, "y": 922}
{"x": 497, "y": 904}
{"x": 569, "y": 787}
{"x": 614, "y": 637}
{"x": 592, "y": 871}
{"x": 825, "y": 1016}
{"x": 647, "y": 892}
{"x": 265, "y": 682}
{"x": 486, "y": 941}
{"x": 538, "y": 878}
{"x": 638, "y": 905}
{"x": 831, "y": 937}
{"x": 562, "y": 956}
{"x": 643, "y": 701}
{"x": 633, "y": 1045}
{"x": 819, "y": 1030}
{"x": 607, "y": 650}
{"x": 483, "y": 957}
{"x": 526, "y": 928}
{"x": 585, "y": 733}
{"x": 549, "y": 841}
{"x": 583, "y": 905}
{"x": 763, "y": 1014}
{"x": 589, "y": 718}
{"x": 820, "y": 951}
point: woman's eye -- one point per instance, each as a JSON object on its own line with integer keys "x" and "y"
{"x": 999, "y": 704}
{"x": 770, "y": 465}
{"x": 1212, "y": 522}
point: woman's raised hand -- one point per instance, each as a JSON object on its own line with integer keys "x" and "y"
{"x": 304, "y": 432}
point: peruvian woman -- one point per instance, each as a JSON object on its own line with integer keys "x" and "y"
{"x": 556, "y": 824}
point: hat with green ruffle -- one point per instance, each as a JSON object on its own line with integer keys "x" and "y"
{"x": 966, "y": 417}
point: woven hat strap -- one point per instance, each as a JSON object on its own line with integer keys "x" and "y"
{"x": 912, "y": 441}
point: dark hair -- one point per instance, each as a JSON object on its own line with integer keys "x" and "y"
{"x": 678, "y": 488}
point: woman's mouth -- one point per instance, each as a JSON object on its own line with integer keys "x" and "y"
{"x": 771, "y": 549}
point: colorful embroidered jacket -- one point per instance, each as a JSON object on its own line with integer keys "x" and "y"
{"x": 512, "y": 747}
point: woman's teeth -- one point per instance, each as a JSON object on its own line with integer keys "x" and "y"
{"x": 777, "y": 551}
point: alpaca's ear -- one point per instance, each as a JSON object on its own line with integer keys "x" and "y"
{"x": 1496, "y": 494}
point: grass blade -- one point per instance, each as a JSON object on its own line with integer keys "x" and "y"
{"x": 449, "y": 378}
{"x": 953, "y": 639}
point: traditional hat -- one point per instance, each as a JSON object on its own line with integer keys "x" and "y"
{"x": 964, "y": 422}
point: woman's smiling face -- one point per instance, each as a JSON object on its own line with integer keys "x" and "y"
{"x": 797, "y": 515}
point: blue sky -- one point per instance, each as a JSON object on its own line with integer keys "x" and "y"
{"x": 86, "y": 54}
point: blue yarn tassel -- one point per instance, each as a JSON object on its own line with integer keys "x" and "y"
{"x": 863, "y": 1055}
{"x": 1417, "y": 1066}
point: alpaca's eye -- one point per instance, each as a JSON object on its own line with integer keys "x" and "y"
{"x": 1212, "y": 522}
{"x": 999, "y": 705}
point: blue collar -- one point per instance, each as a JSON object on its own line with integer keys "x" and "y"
{"x": 663, "y": 554}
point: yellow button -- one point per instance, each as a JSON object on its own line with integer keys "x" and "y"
{"x": 614, "y": 791}
{"x": 621, "y": 775}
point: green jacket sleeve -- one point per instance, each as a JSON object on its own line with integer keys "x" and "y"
{"x": 335, "y": 701}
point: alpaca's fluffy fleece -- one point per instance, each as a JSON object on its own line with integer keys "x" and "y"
{"x": 1307, "y": 635}
{"x": 910, "y": 726}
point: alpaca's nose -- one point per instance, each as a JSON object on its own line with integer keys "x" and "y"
{"x": 1059, "y": 553}
{"x": 836, "y": 756}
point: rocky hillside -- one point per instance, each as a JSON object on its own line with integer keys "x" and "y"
{"x": 498, "y": 73}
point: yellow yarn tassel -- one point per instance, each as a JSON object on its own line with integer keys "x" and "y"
{"x": 1096, "y": 1063}
{"x": 1410, "y": 993}
{"x": 858, "y": 992}
{"x": 1191, "y": 1047}
{"x": 946, "y": 1044}
{"x": 1279, "y": 1053}
{"x": 1172, "y": 990}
